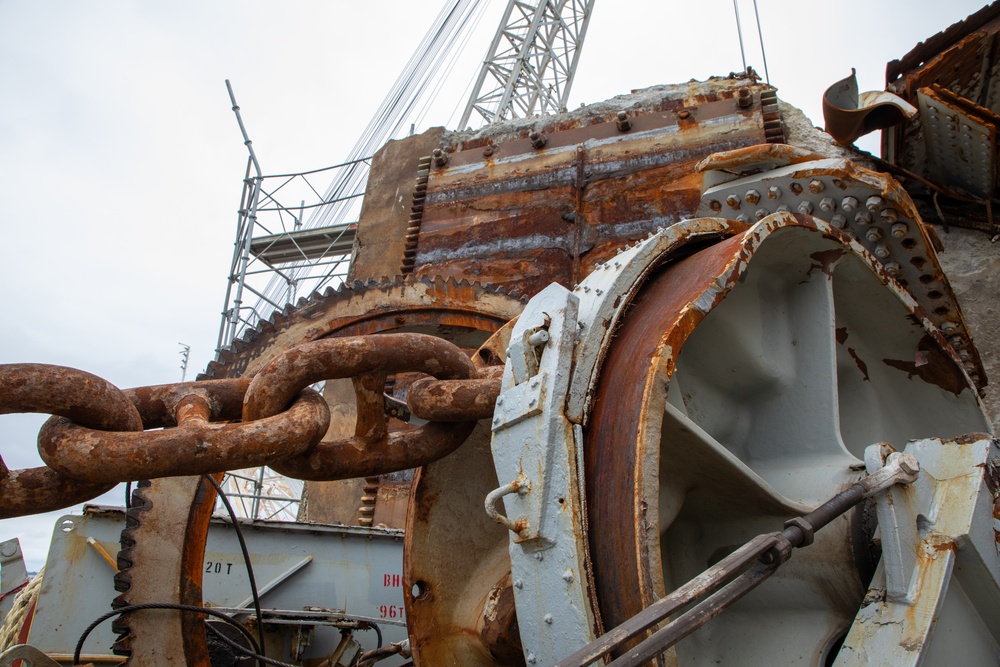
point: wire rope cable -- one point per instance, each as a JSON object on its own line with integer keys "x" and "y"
{"x": 432, "y": 60}
{"x": 739, "y": 31}
{"x": 760, "y": 36}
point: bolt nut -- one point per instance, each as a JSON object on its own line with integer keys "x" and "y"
{"x": 908, "y": 463}
{"x": 751, "y": 197}
{"x": 488, "y": 151}
{"x": 796, "y": 188}
{"x": 838, "y": 221}
{"x": 744, "y": 218}
{"x": 623, "y": 122}
{"x": 849, "y": 203}
{"x": 537, "y": 139}
{"x": 874, "y": 203}
{"x": 733, "y": 201}
{"x": 827, "y": 204}
{"x": 816, "y": 186}
{"x": 440, "y": 157}
{"x": 874, "y": 234}
{"x": 806, "y": 207}
{"x": 761, "y": 213}
{"x": 949, "y": 326}
{"x": 774, "y": 192}
{"x": 889, "y": 215}
{"x": 881, "y": 251}
{"x": 567, "y": 576}
{"x": 715, "y": 205}
{"x": 899, "y": 229}
{"x": 744, "y": 98}
{"x": 548, "y": 619}
{"x": 892, "y": 268}
{"x": 863, "y": 218}
{"x": 683, "y": 114}
{"x": 782, "y": 208}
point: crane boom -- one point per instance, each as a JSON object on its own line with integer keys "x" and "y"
{"x": 531, "y": 61}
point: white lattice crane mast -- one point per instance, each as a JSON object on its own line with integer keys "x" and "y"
{"x": 532, "y": 60}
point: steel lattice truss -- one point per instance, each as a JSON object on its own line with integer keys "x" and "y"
{"x": 532, "y": 60}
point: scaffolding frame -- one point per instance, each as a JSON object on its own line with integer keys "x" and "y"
{"x": 276, "y": 244}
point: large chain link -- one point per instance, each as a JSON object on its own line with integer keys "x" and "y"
{"x": 100, "y": 435}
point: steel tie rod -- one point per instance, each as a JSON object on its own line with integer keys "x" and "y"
{"x": 734, "y": 576}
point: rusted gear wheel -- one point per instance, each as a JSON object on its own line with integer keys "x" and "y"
{"x": 740, "y": 388}
{"x": 163, "y": 543}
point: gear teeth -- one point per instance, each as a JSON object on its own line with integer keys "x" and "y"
{"x": 418, "y": 201}
{"x": 123, "y": 578}
{"x": 230, "y": 361}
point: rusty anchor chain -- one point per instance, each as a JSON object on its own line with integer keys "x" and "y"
{"x": 74, "y": 394}
{"x": 99, "y": 435}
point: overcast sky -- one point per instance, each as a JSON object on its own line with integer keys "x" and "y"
{"x": 121, "y": 162}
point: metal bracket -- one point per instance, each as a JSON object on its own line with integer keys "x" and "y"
{"x": 897, "y": 529}
{"x": 533, "y": 445}
{"x": 932, "y": 532}
{"x": 13, "y": 573}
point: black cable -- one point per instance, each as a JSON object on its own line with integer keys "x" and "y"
{"x": 378, "y": 632}
{"x": 161, "y": 605}
{"x": 243, "y": 650}
{"x": 246, "y": 559}
{"x": 128, "y": 496}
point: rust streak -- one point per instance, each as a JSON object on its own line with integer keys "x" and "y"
{"x": 933, "y": 365}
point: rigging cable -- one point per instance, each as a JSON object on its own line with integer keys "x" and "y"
{"x": 760, "y": 35}
{"x": 739, "y": 31}
{"x": 437, "y": 47}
